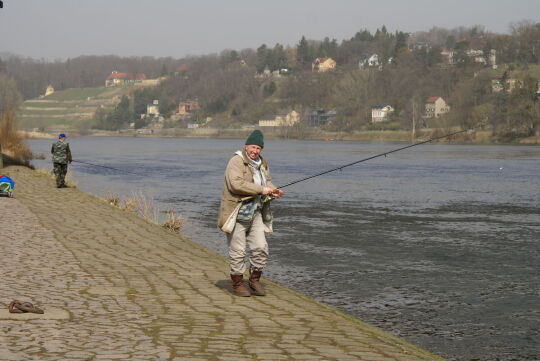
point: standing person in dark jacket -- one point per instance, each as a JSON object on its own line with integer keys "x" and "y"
{"x": 61, "y": 156}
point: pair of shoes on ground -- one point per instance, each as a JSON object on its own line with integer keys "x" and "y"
{"x": 23, "y": 307}
{"x": 256, "y": 287}
{"x": 62, "y": 186}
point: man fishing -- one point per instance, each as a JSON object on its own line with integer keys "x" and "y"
{"x": 61, "y": 156}
{"x": 245, "y": 215}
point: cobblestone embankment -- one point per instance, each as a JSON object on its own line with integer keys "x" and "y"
{"x": 115, "y": 287}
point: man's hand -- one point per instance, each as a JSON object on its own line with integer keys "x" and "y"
{"x": 276, "y": 193}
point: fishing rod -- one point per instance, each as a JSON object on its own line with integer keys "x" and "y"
{"x": 375, "y": 156}
{"x": 269, "y": 197}
{"x": 103, "y": 166}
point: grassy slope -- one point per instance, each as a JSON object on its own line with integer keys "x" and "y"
{"x": 70, "y": 108}
{"x": 76, "y": 94}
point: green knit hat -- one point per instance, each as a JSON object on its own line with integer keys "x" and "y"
{"x": 255, "y": 138}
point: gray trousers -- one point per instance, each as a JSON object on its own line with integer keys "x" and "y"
{"x": 250, "y": 234}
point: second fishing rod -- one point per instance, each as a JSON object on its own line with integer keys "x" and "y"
{"x": 107, "y": 167}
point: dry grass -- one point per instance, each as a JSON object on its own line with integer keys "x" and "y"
{"x": 44, "y": 172}
{"x": 69, "y": 181}
{"x": 530, "y": 140}
{"x": 144, "y": 206}
{"x": 24, "y": 134}
{"x": 11, "y": 143}
{"x": 129, "y": 205}
{"x": 112, "y": 199}
{"x": 173, "y": 221}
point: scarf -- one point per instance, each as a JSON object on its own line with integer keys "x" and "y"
{"x": 248, "y": 208}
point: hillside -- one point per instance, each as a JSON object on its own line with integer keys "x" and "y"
{"x": 72, "y": 108}
{"x": 475, "y": 77}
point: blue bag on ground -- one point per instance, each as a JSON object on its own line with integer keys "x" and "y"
{"x": 6, "y": 186}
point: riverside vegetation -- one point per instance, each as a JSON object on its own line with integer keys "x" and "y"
{"x": 139, "y": 203}
{"x": 144, "y": 207}
{"x": 234, "y": 91}
{"x": 12, "y": 148}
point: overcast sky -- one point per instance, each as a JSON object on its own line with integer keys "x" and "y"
{"x": 59, "y": 29}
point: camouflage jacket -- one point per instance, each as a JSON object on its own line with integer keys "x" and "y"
{"x": 61, "y": 153}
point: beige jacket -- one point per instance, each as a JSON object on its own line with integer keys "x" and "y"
{"x": 238, "y": 183}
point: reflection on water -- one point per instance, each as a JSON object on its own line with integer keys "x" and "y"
{"x": 438, "y": 244}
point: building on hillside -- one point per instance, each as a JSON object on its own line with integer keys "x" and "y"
{"x": 49, "y": 90}
{"x": 180, "y": 69}
{"x": 281, "y": 120}
{"x": 116, "y": 78}
{"x": 419, "y": 46}
{"x": 268, "y": 120}
{"x": 152, "y": 109}
{"x": 435, "y": 107}
{"x": 492, "y": 60}
{"x": 381, "y": 112}
{"x": 321, "y": 65}
{"x": 496, "y": 86}
{"x": 508, "y": 84}
{"x": 267, "y": 73}
{"x": 512, "y": 84}
{"x": 475, "y": 52}
{"x": 188, "y": 107}
{"x": 447, "y": 55}
{"x": 477, "y": 56}
{"x": 320, "y": 117}
{"x": 370, "y": 62}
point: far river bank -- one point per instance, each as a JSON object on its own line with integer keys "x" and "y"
{"x": 472, "y": 137}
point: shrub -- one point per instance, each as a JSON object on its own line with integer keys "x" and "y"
{"x": 11, "y": 143}
{"x": 144, "y": 207}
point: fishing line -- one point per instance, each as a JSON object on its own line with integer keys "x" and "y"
{"x": 103, "y": 166}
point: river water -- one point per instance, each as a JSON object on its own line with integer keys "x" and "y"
{"x": 439, "y": 244}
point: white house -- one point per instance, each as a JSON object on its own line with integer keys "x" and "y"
{"x": 152, "y": 109}
{"x": 435, "y": 107}
{"x": 380, "y": 112}
{"x": 284, "y": 120}
{"x": 372, "y": 61}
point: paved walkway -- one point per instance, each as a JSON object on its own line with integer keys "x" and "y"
{"x": 115, "y": 287}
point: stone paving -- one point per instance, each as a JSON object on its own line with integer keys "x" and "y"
{"x": 115, "y": 287}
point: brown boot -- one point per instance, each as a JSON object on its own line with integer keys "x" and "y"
{"x": 254, "y": 284}
{"x": 238, "y": 286}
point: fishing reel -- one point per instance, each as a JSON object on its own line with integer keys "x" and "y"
{"x": 267, "y": 198}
